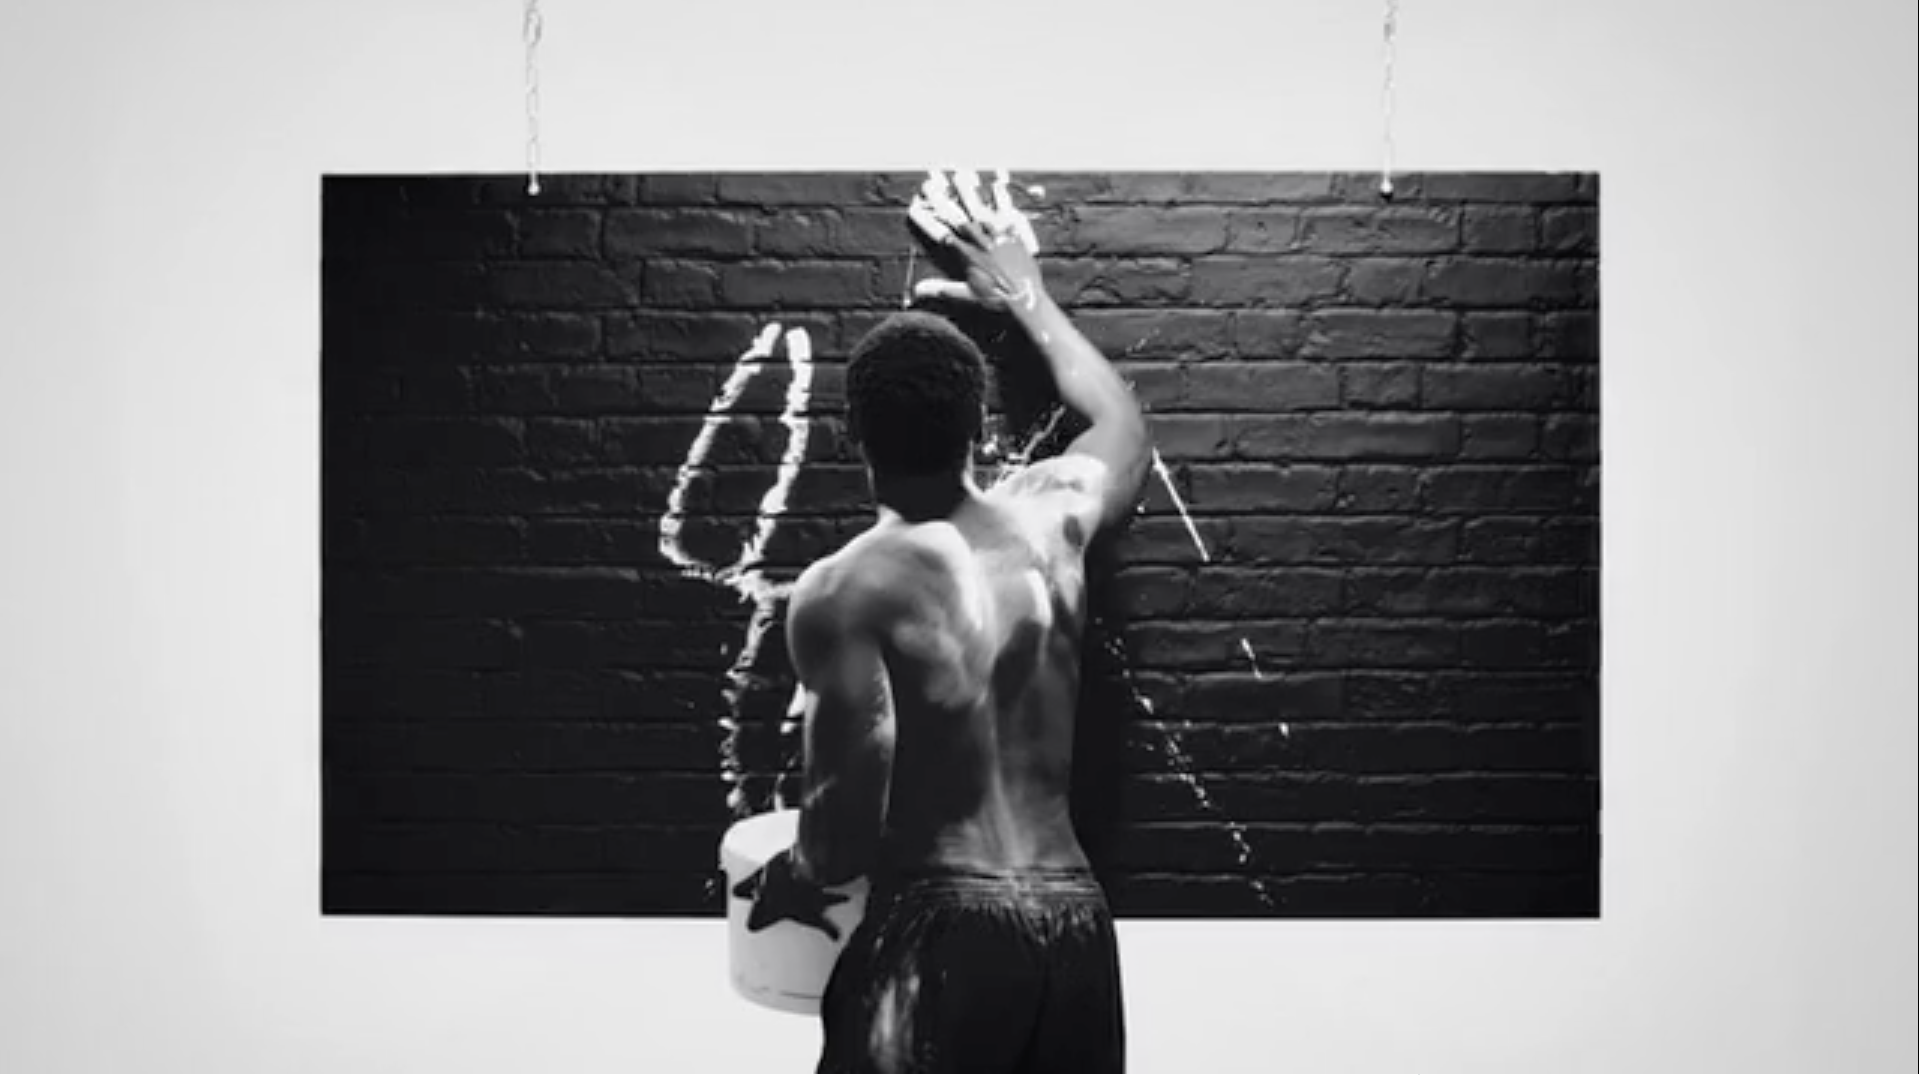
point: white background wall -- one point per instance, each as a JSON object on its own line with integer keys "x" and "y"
{"x": 159, "y": 311}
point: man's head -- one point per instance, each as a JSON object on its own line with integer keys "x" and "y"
{"x": 916, "y": 396}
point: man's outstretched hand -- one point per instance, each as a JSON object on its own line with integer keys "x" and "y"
{"x": 981, "y": 241}
{"x": 778, "y": 895}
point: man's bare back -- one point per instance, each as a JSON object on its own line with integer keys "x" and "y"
{"x": 938, "y": 659}
{"x": 979, "y": 618}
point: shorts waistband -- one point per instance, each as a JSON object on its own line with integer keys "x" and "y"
{"x": 941, "y": 881}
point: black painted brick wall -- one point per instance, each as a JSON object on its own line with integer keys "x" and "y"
{"x": 1382, "y": 416}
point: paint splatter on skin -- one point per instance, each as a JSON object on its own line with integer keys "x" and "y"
{"x": 744, "y": 575}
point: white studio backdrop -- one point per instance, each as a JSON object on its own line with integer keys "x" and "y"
{"x": 159, "y": 726}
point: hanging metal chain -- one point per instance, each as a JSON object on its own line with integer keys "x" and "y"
{"x": 531, "y": 27}
{"x": 1391, "y": 33}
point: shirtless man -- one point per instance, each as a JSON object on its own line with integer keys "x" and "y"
{"x": 939, "y": 657}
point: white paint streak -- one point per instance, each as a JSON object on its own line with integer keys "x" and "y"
{"x": 743, "y": 575}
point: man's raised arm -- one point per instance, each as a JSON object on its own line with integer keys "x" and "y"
{"x": 1089, "y": 384}
{"x": 987, "y": 252}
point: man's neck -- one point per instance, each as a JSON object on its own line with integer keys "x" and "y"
{"x": 920, "y": 498}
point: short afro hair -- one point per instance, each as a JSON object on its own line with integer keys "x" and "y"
{"x": 915, "y": 394}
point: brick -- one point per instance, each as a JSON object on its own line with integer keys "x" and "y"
{"x": 709, "y": 337}
{"x": 1572, "y": 437}
{"x": 1242, "y": 696}
{"x": 1189, "y": 436}
{"x": 666, "y": 441}
{"x": 1344, "y": 541}
{"x": 1374, "y": 749}
{"x": 1229, "y": 488}
{"x": 1480, "y": 282}
{"x": 559, "y": 285}
{"x": 1157, "y": 385}
{"x": 1144, "y": 282}
{"x": 812, "y": 233}
{"x": 1140, "y": 592}
{"x": 639, "y": 645}
{"x": 1374, "y": 489}
{"x": 1568, "y": 540}
{"x": 558, "y": 233}
{"x": 680, "y": 284}
{"x": 1140, "y": 230}
{"x": 1496, "y": 337}
{"x": 1075, "y": 281}
{"x": 1122, "y": 334}
{"x": 1465, "y": 591}
{"x": 510, "y": 190}
{"x": 1199, "y": 645}
{"x": 1346, "y": 437}
{"x": 1378, "y": 334}
{"x": 679, "y": 188}
{"x": 798, "y": 188}
{"x": 1499, "y": 436}
{"x": 1492, "y": 388}
{"x": 1362, "y": 188}
{"x": 1261, "y": 231}
{"x": 1572, "y": 336}
{"x": 549, "y": 336}
{"x": 1570, "y": 231}
{"x": 1484, "y": 490}
{"x": 1500, "y": 540}
{"x": 599, "y": 391}
{"x": 1235, "y": 281}
{"x": 1449, "y": 797}
{"x": 1476, "y": 696}
{"x": 870, "y": 232}
{"x": 1166, "y": 540}
{"x": 1499, "y": 230}
{"x": 1382, "y": 643}
{"x": 1530, "y": 187}
{"x": 1384, "y": 281}
{"x": 1256, "y": 187}
{"x": 1379, "y": 386}
{"x": 1262, "y": 387}
{"x": 797, "y": 284}
{"x": 1528, "y": 644}
{"x": 1222, "y": 592}
{"x": 563, "y": 440}
{"x": 1378, "y": 231}
{"x": 650, "y": 233}
{"x": 1261, "y": 334}
{"x": 560, "y": 542}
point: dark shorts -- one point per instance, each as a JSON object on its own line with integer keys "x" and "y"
{"x": 978, "y": 972}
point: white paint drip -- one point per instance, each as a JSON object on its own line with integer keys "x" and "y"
{"x": 1181, "y": 765}
{"x": 744, "y": 575}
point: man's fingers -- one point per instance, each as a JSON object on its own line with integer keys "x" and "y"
{"x": 966, "y": 183}
{"x": 937, "y": 191}
{"x": 944, "y": 290}
{"x": 928, "y": 224}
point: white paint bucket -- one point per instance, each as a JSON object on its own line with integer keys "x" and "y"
{"x": 784, "y": 966}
